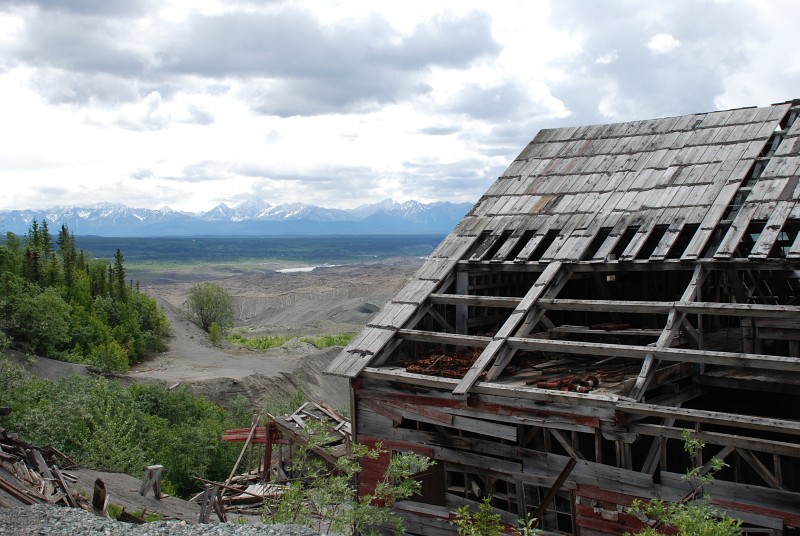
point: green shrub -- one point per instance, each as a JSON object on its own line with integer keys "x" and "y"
{"x": 265, "y": 342}
{"x": 326, "y": 498}
{"x": 105, "y": 425}
{"x": 481, "y": 523}
{"x": 214, "y": 333}
{"x": 690, "y": 518}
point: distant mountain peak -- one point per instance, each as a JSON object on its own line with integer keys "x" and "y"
{"x": 253, "y": 216}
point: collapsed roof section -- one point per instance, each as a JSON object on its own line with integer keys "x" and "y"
{"x": 655, "y": 244}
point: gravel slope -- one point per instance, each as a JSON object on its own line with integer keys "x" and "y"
{"x": 62, "y": 521}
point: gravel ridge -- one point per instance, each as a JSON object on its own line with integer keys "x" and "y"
{"x": 53, "y": 520}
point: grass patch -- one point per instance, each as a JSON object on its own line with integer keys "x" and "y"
{"x": 326, "y": 341}
{"x": 266, "y": 342}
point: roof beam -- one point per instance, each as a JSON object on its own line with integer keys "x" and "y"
{"x": 674, "y": 320}
{"x": 639, "y": 265}
{"x": 443, "y": 338}
{"x": 716, "y": 438}
{"x": 734, "y": 420}
{"x": 678, "y": 355}
{"x": 632, "y": 306}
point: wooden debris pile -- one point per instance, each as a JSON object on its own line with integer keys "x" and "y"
{"x": 33, "y": 475}
{"x": 533, "y": 368}
{"x": 269, "y": 450}
{"x": 445, "y": 364}
{"x": 572, "y": 374}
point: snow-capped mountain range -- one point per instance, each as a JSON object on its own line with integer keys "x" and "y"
{"x": 252, "y": 217}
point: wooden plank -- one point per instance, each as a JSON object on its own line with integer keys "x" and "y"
{"x": 772, "y": 230}
{"x": 534, "y": 242}
{"x": 794, "y": 251}
{"x": 743, "y": 500}
{"x": 478, "y": 301}
{"x": 576, "y": 245}
{"x": 668, "y": 240}
{"x": 674, "y": 321}
{"x": 769, "y": 446}
{"x": 506, "y": 404}
{"x": 760, "y": 469}
{"x": 512, "y": 391}
{"x": 717, "y": 209}
{"x": 679, "y": 355}
{"x": 509, "y": 244}
{"x": 443, "y": 338}
{"x": 486, "y": 245}
{"x": 736, "y": 231}
{"x": 394, "y": 315}
{"x": 415, "y": 291}
{"x": 639, "y": 239}
{"x": 611, "y": 240}
{"x": 732, "y": 420}
{"x": 688, "y": 307}
{"x": 557, "y": 243}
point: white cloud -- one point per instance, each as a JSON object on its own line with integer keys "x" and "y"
{"x": 662, "y": 43}
{"x": 163, "y": 102}
{"x": 607, "y": 59}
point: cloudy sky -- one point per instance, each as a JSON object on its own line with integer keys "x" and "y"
{"x": 338, "y": 103}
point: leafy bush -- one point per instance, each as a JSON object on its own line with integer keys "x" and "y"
{"x": 208, "y": 303}
{"x": 105, "y": 425}
{"x": 690, "y": 517}
{"x": 326, "y": 497}
{"x": 481, "y": 523}
{"x": 214, "y": 333}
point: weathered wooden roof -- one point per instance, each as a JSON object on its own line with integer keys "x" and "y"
{"x": 598, "y": 194}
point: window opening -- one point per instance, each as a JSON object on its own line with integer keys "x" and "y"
{"x": 559, "y": 517}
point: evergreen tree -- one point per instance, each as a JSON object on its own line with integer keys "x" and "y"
{"x": 119, "y": 275}
{"x": 66, "y": 246}
{"x": 46, "y": 240}
{"x": 73, "y": 307}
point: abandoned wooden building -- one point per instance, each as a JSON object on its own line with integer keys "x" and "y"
{"x": 617, "y": 285}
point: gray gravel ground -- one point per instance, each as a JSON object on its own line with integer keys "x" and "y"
{"x": 61, "y": 521}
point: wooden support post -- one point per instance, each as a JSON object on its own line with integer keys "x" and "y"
{"x": 761, "y": 469}
{"x": 462, "y": 287}
{"x": 674, "y": 321}
{"x": 211, "y": 501}
{"x": 555, "y": 487}
{"x": 598, "y": 446}
{"x": 152, "y": 479}
{"x": 100, "y": 498}
{"x": 722, "y": 454}
{"x": 205, "y": 504}
{"x": 654, "y": 454}
{"x": 570, "y": 449}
